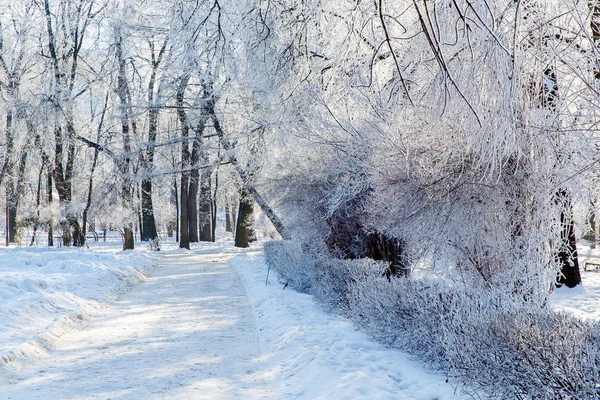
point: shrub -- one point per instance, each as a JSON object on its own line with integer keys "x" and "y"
{"x": 332, "y": 279}
{"x": 488, "y": 338}
{"x": 291, "y": 263}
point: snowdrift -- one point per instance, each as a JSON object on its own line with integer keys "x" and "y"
{"x": 45, "y": 292}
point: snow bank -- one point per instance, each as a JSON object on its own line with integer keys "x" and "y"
{"x": 315, "y": 355}
{"x": 45, "y": 292}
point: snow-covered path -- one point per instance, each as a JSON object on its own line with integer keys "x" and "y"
{"x": 186, "y": 333}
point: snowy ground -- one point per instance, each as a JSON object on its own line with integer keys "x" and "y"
{"x": 314, "y": 355}
{"x": 584, "y": 299}
{"x": 45, "y": 292}
{"x": 205, "y": 325}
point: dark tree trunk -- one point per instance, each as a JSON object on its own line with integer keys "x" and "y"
{"x": 214, "y": 209}
{"x": 570, "y": 274}
{"x": 124, "y": 163}
{"x": 233, "y": 220}
{"x": 148, "y": 226}
{"x": 204, "y": 210}
{"x": 128, "y": 240}
{"x": 63, "y": 177}
{"x": 17, "y": 190}
{"x": 11, "y": 212}
{"x": 49, "y": 185}
{"x": 11, "y": 208}
{"x": 567, "y": 254}
{"x": 227, "y": 219}
{"x": 595, "y": 27}
{"x": 177, "y": 211}
{"x": 140, "y": 227}
{"x": 149, "y": 231}
{"x": 592, "y": 222}
{"x": 184, "y": 240}
{"x": 244, "y": 229}
{"x": 76, "y": 233}
{"x": 88, "y": 204}
{"x": 197, "y": 214}
{"x": 6, "y": 232}
{"x": 192, "y": 205}
{"x": 213, "y": 220}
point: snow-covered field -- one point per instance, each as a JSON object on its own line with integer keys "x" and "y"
{"x": 298, "y": 350}
{"x": 46, "y": 292}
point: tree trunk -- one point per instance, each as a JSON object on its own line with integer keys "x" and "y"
{"x": 148, "y": 227}
{"x": 244, "y": 229}
{"x": 592, "y": 222}
{"x": 177, "y": 211}
{"x": 128, "y": 239}
{"x": 595, "y": 28}
{"x": 227, "y": 218}
{"x": 49, "y": 185}
{"x": 77, "y": 237}
{"x": 233, "y": 221}
{"x": 11, "y": 212}
{"x": 11, "y": 207}
{"x": 63, "y": 178}
{"x": 16, "y": 191}
{"x": 192, "y": 205}
{"x": 6, "y": 232}
{"x": 213, "y": 208}
{"x": 247, "y": 181}
{"x": 124, "y": 163}
{"x": 205, "y": 208}
{"x": 567, "y": 253}
{"x": 184, "y": 240}
{"x": 139, "y": 221}
{"x": 197, "y": 181}
{"x": 149, "y": 231}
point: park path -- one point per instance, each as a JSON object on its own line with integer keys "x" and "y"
{"x": 188, "y": 332}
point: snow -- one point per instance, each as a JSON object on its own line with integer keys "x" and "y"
{"x": 45, "y": 292}
{"x": 315, "y": 355}
{"x": 582, "y": 300}
{"x": 204, "y": 325}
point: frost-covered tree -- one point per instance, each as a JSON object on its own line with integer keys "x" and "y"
{"x": 433, "y": 125}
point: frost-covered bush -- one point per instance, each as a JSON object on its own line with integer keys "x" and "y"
{"x": 493, "y": 339}
{"x": 308, "y": 271}
{"x": 291, "y": 262}
{"x": 333, "y": 278}
{"x": 500, "y": 344}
